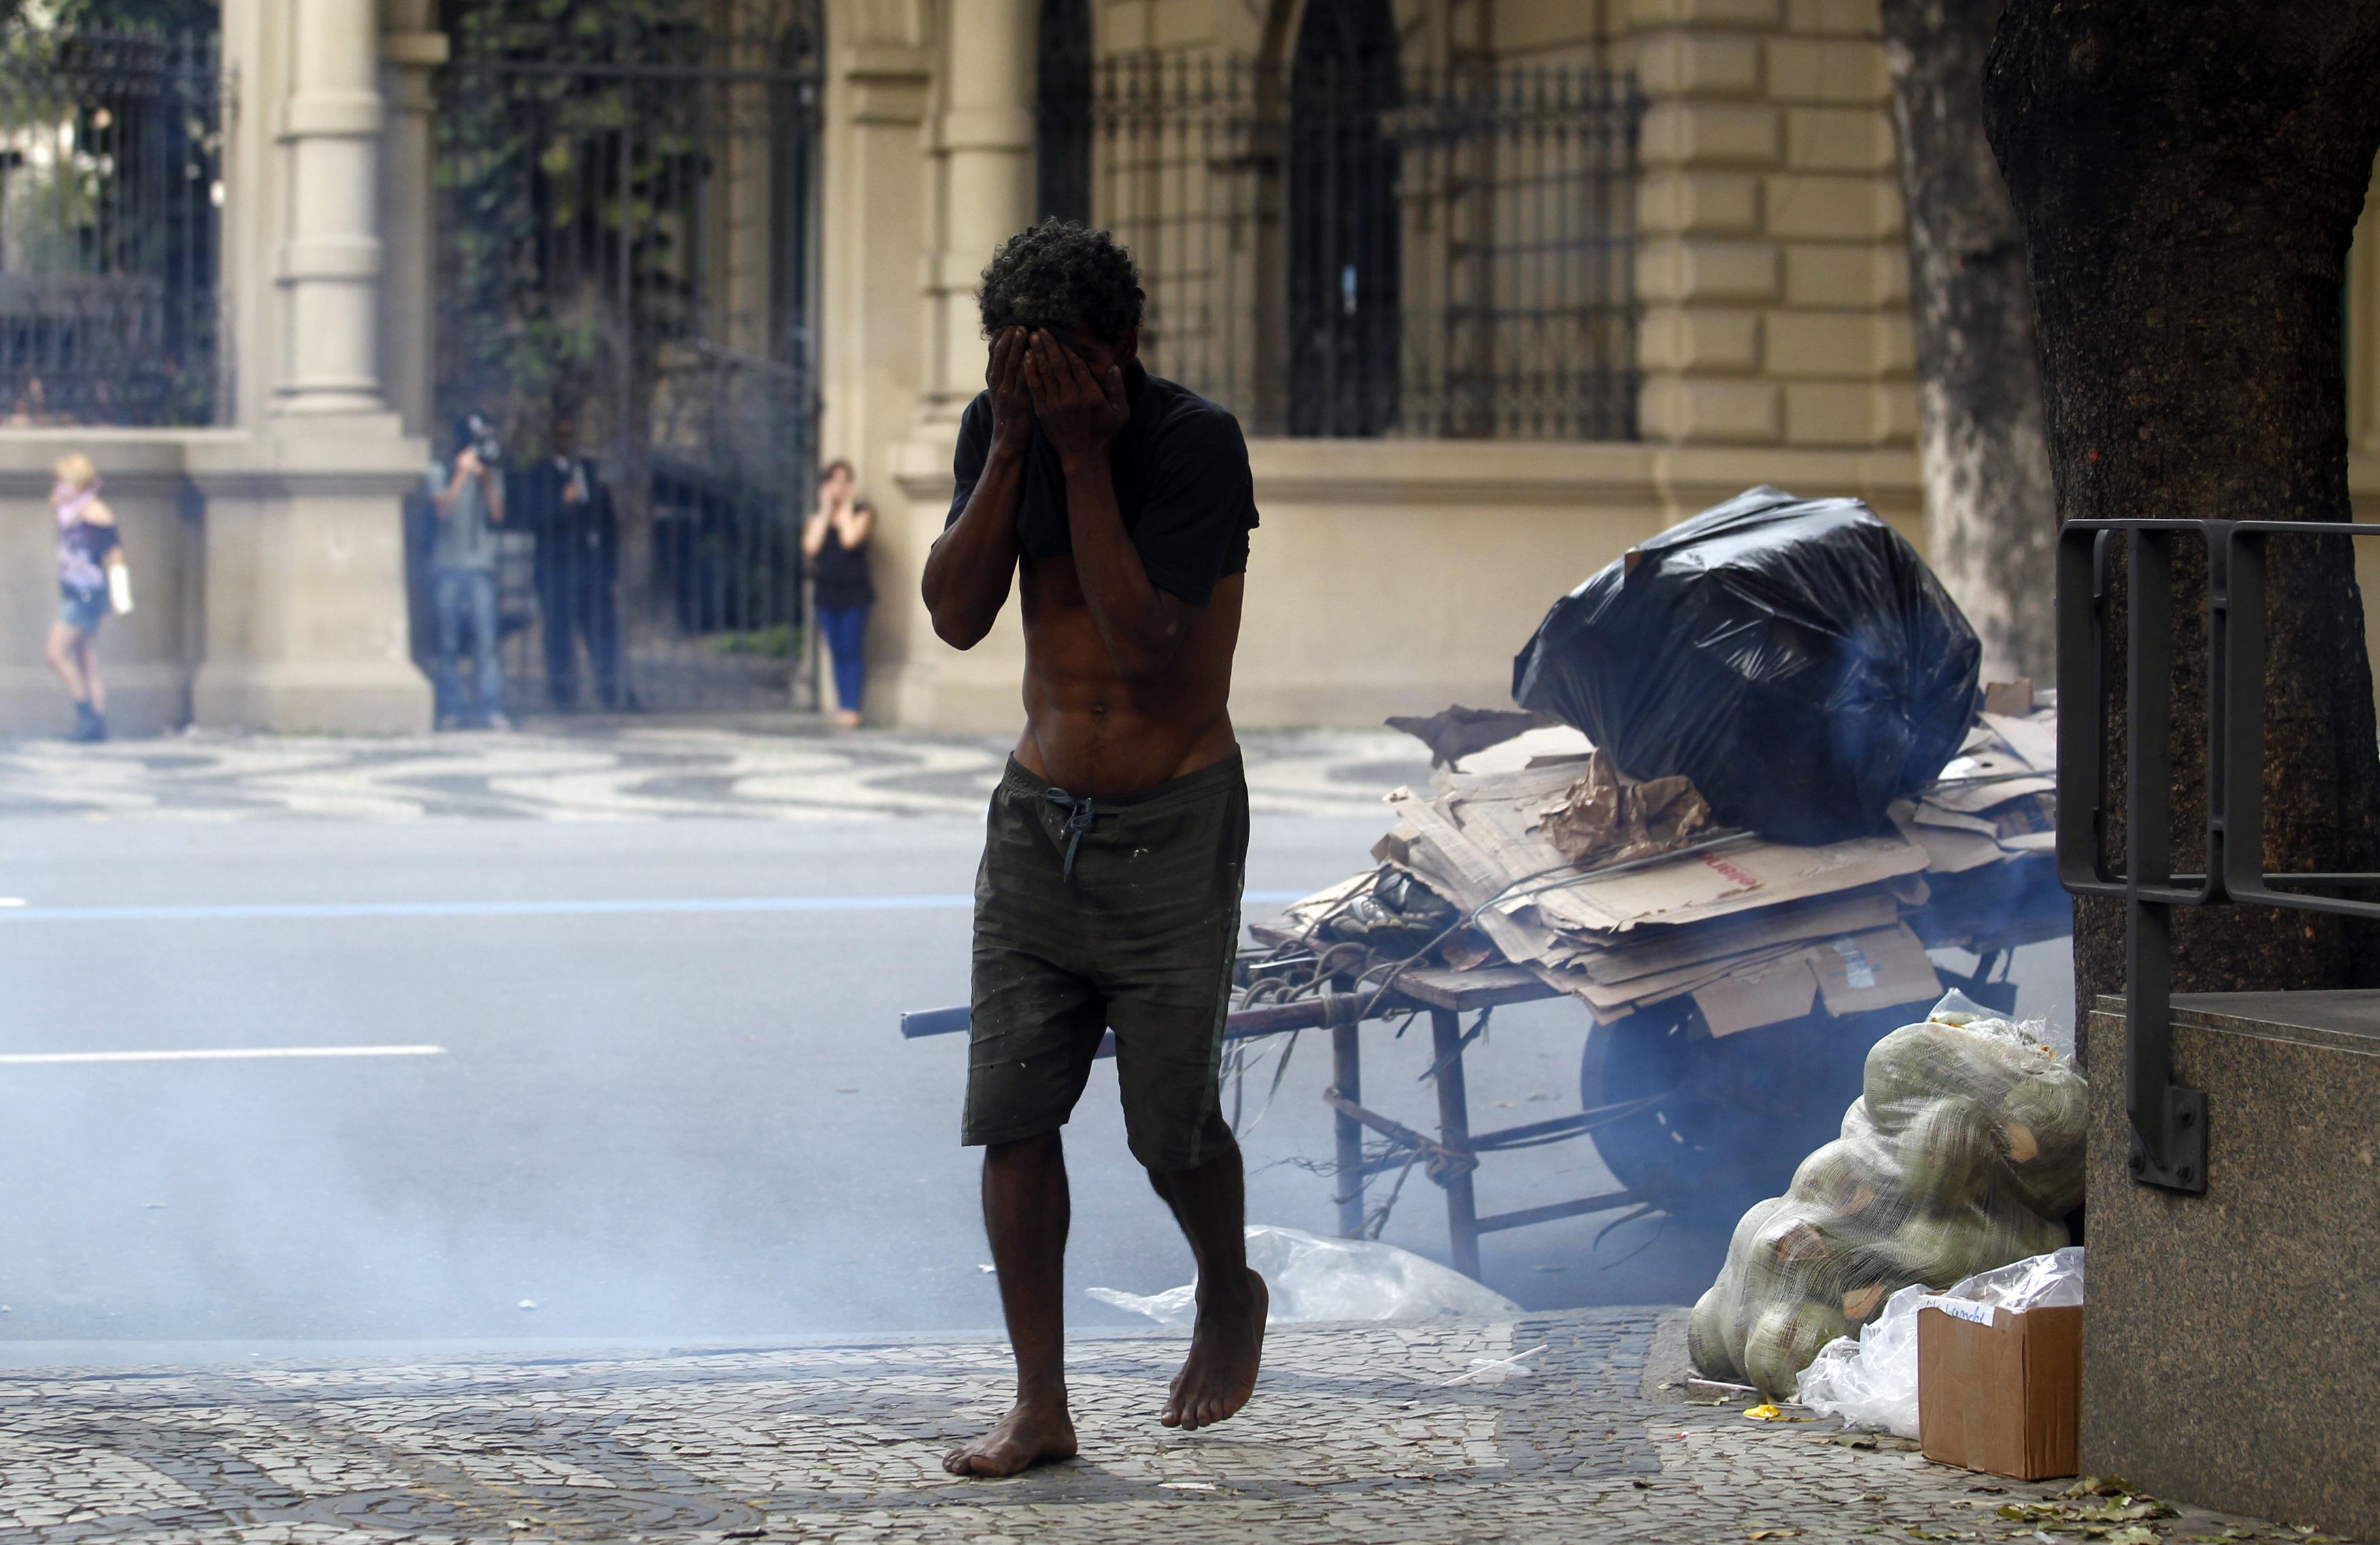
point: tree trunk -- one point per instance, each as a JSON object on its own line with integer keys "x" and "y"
{"x": 1989, "y": 520}
{"x": 2187, "y": 175}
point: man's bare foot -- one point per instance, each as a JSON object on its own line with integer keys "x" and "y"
{"x": 1220, "y": 1372}
{"x": 1027, "y": 1436}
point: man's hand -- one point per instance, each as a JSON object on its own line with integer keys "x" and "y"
{"x": 468, "y": 465}
{"x": 1012, "y": 406}
{"x": 1082, "y": 414}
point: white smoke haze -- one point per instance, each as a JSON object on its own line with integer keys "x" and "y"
{"x": 655, "y": 1127}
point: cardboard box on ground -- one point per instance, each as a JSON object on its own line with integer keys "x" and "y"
{"x": 2000, "y": 1391}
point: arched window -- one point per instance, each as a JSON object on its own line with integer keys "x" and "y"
{"x": 1344, "y": 259}
{"x": 1063, "y": 113}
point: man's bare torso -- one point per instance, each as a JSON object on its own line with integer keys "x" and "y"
{"x": 1090, "y": 731}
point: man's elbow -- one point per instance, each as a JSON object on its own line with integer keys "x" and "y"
{"x": 960, "y": 633}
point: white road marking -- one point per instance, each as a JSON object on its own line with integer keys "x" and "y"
{"x": 559, "y": 907}
{"x": 223, "y": 1053}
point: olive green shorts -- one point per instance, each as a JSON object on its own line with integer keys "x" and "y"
{"x": 1117, "y": 913}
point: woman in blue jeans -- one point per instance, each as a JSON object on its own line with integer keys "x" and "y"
{"x": 835, "y": 540}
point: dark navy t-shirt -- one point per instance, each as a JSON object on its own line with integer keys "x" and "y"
{"x": 1182, "y": 482}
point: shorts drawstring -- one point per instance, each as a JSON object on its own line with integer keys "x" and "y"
{"x": 1080, "y": 813}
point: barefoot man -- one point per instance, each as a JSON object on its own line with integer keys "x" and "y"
{"x": 1109, "y": 892}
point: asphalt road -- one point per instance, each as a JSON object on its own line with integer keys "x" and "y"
{"x": 658, "y": 1110}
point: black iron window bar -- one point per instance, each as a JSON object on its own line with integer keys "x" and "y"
{"x": 2168, "y": 1122}
{"x": 111, "y": 159}
{"x": 1351, "y": 247}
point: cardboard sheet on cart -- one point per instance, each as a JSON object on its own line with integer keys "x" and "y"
{"x": 1479, "y": 840}
{"x": 1443, "y": 854}
{"x": 1849, "y": 972}
{"x": 1740, "y": 877}
{"x": 1636, "y": 959}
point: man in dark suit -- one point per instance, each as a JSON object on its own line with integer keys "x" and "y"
{"x": 569, "y": 508}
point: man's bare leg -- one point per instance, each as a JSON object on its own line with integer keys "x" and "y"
{"x": 1210, "y": 1203}
{"x": 1025, "y": 1210}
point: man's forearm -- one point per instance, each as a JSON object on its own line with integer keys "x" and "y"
{"x": 969, "y": 567}
{"x": 1139, "y": 629}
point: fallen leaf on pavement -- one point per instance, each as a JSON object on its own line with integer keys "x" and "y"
{"x": 2097, "y": 1485}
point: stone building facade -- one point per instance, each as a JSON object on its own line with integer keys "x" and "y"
{"x": 1765, "y": 289}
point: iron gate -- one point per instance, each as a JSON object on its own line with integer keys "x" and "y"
{"x": 628, "y": 195}
{"x": 111, "y": 149}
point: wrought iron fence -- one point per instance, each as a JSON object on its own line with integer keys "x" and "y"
{"x": 111, "y": 147}
{"x": 1350, "y": 251}
{"x": 627, "y": 207}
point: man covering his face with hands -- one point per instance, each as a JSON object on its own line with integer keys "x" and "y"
{"x": 1118, "y": 506}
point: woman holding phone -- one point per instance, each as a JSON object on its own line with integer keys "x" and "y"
{"x": 834, "y": 541}
{"x": 92, "y": 581}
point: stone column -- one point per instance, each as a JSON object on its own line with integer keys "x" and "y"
{"x": 330, "y": 262}
{"x": 410, "y": 48}
{"x": 1773, "y": 284}
{"x": 1705, "y": 268}
{"x": 304, "y": 611}
{"x": 983, "y": 141}
{"x": 982, "y": 145}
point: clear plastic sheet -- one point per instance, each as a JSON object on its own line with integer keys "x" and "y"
{"x": 1872, "y": 1381}
{"x": 1963, "y": 1153}
{"x": 1794, "y": 657}
{"x": 1313, "y": 1279}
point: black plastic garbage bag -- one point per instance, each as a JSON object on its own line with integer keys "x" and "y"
{"x": 1794, "y": 657}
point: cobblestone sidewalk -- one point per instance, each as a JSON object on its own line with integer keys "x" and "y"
{"x": 614, "y": 773}
{"x": 1356, "y": 1434}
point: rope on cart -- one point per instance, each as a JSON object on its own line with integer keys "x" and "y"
{"x": 1377, "y": 1218}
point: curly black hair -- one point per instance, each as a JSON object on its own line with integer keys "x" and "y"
{"x": 1064, "y": 272}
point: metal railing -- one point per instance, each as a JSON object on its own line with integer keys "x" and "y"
{"x": 1444, "y": 253}
{"x": 111, "y": 148}
{"x": 627, "y": 234}
{"x": 2169, "y": 1121}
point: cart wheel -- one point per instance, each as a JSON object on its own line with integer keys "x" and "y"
{"x": 1740, "y": 1112}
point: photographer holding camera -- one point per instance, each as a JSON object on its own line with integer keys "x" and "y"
{"x": 467, "y": 494}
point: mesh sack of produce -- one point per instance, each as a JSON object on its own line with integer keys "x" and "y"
{"x": 1963, "y": 1152}
{"x": 1794, "y": 658}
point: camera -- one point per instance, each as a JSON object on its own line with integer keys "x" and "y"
{"x": 474, "y": 431}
